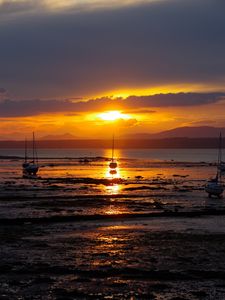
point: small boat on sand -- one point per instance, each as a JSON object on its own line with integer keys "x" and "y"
{"x": 113, "y": 163}
{"x": 30, "y": 168}
{"x": 222, "y": 167}
{"x": 214, "y": 186}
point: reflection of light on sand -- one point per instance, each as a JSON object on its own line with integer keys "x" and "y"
{"x": 132, "y": 225}
{"x": 108, "y": 239}
{"x": 113, "y": 189}
{"x": 113, "y": 210}
{"x": 111, "y": 176}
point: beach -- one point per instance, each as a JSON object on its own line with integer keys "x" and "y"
{"x": 151, "y": 232}
{"x": 141, "y": 259}
{"x": 112, "y": 137}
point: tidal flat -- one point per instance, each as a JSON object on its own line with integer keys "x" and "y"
{"x": 75, "y": 233}
{"x": 161, "y": 258}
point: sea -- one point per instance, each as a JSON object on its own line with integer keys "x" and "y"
{"x": 179, "y": 155}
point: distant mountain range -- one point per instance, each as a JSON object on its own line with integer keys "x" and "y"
{"x": 66, "y": 136}
{"x": 181, "y": 132}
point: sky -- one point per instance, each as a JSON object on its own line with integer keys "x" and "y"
{"x": 65, "y": 66}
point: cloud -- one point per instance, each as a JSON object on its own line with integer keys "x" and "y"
{"x": 139, "y": 111}
{"x": 2, "y": 90}
{"x": 2, "y": 93}
{"x": 63, "y": 54}
{"x": 203, "y": 122}
{"x": 127, "y": 123}
{"x": 14, "y": 10}
{"x": 11, "y": 108}
{"x": 178, "y": 100}
{"x": 32, "y": 6}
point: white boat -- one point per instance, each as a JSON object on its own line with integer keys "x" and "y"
{"x": 30, "y": 168}
{"x": 214, "y": 186}
{"x": 113, "y": 163}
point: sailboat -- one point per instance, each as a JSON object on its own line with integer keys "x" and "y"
{"x": 113, "y": 163}
{"x": 30, "y": 168}
{"x": 214, "y": 186}
{"x": 222, "y": 167}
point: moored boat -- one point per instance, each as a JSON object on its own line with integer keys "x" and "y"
{"x": 30, "y": 168}
{"x": 113, "y": 163}
{"x": 214, "y": 186}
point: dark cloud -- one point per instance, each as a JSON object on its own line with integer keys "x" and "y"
{"x": 10, "y": 108}
{"x": 9, "y": 7}
{"x": 69, "y": 53}
{"x": 2, "y": 93}
{"x": 168, "y": 100}
{"x": 2, "y": 90}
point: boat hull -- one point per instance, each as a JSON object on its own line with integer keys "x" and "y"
{"x": 113, "y": 165}
{"x": 30, "y": 170}
{"x": 214, "y": 189}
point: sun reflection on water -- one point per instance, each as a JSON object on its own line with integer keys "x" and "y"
{"x": 109, "y": 175}
{"x": 113, "y": 189}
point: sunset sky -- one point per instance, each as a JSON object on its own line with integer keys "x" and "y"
{"x": 90, "y": 67}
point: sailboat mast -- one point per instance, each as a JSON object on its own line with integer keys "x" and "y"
{"x": 33, "y": 149}
{"x": 219, "y": 157}
{"x": 25, "y": 152}
{"x": 36, "y": 155}
{"x": 113, "y": 148}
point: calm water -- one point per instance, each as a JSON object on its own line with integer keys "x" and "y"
{"x": 179, "y": 155}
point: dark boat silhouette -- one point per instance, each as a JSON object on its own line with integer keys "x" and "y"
{"x": 214, "y": 186}
{"x": 113, "y": 163}
{"x": 30, "y": 168}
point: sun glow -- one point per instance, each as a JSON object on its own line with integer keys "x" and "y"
{"x": 113, "y": 115}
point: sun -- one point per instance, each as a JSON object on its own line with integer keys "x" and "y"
{"x": 112, "y": 115}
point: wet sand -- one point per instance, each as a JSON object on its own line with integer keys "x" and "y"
{"x": 153, "y": 234}
{"x": 136, "y": 259}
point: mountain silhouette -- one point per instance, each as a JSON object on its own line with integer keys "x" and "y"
{"x": 181, "y": 132}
